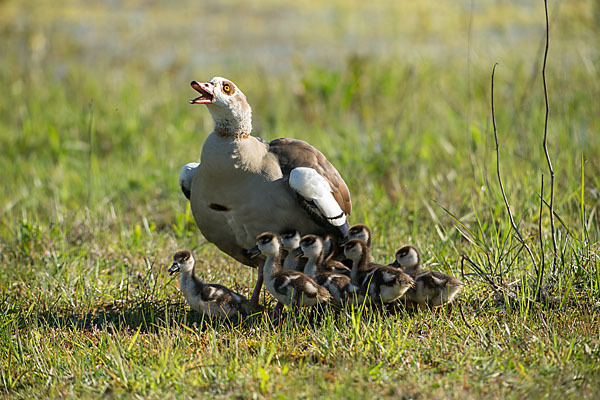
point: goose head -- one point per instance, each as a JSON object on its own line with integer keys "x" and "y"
{"x": 227, "y": 105}
{"x": 183, "y": 261}
{"x": 267, "y": 243}
{"x": 312, "y": 246}
{"x": 407, "y": 257}
{"x": 361, "y": 232}
{"x": 354, "y": 249}
{"x": 290, "y": 240}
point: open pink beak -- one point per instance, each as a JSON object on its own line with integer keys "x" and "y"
{"x": 206, "y": 91}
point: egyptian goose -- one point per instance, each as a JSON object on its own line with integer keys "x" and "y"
{"x": 361, "y": 232}
{"x": 408, "y": 259}
{"x": 290, "y": 241}
{"x": 340, "y": 286}
{"x": 328, "y": 262}
{"x": 245, "y": 186}
{"x": 208, "y": 298}
{"x": 383, "y": 283}
{"x": 291, "y": 288}
{"x": 432, "y": 288}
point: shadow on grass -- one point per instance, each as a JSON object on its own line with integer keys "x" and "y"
{"x": 154, "y": 317}
{"x": 145, "y": 316}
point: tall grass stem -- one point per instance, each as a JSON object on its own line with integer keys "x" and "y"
{"x": 510, "y": 215}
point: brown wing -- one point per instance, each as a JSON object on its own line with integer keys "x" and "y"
{"x": 293, "y": 153}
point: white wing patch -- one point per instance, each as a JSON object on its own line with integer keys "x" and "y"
{"x": 313, "y": 187}
{"x": 186, "y": 175}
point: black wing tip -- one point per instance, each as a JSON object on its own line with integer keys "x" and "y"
{"x": 186, "y": 193}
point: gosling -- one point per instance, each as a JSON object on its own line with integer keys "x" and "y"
{"x": 432, "y": 288}
{"x": 290, "y": 241}
{"x": 318, "y": 267}
{"x": 208, "y": 298}
{"x": 291, "y": 288}
{"x": 383, "y": 283}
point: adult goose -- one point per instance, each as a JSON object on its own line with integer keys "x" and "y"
{"x": 244, "y": 186}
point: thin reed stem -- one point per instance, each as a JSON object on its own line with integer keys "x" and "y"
{"x": 546, "y": 142}
{"x": 510, "y": 215}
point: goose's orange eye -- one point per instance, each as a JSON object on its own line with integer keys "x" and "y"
{"x": 228, "y": 88}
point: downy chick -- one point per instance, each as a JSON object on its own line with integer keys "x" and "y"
{"x": 432, "y": 288}
{"x": 339, "y": 286}
{"x": 208, "y": 298}
{"x": 292, "y": 288}
{"x": 383, "y": 283}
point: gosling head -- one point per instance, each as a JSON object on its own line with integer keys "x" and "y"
{"x": 354, "y": 249}
{"x": 267, "y": 243}
{"x": 407, "y": 257}
{"x": 183, "y": 261}
{"x": 227, "y": 105}
{"x": 290, "y": 240}
{"x": 361, "y": 232}
{"x": 311, "y": 245}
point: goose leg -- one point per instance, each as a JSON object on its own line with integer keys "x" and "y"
{"x": 277, "y": 311}
{"x": 259, "y": 281}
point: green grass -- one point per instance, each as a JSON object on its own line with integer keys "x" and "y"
{"x": 95, "y": 125}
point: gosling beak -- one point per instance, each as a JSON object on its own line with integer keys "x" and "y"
{"x": 174, "y": 268}
{"x": 396, "y": 264}
{"x": 297, "y": 252}
{"x": 253, "y": 252}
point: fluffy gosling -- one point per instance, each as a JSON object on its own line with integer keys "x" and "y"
{"x": 290, "y": 241}
{"x": 383, "y": 283}
{"x": 208, "y": 298}
{"x": 432, "y": 288}
{"x": 292, "y": 288}
{"x": 340, "y": 286}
